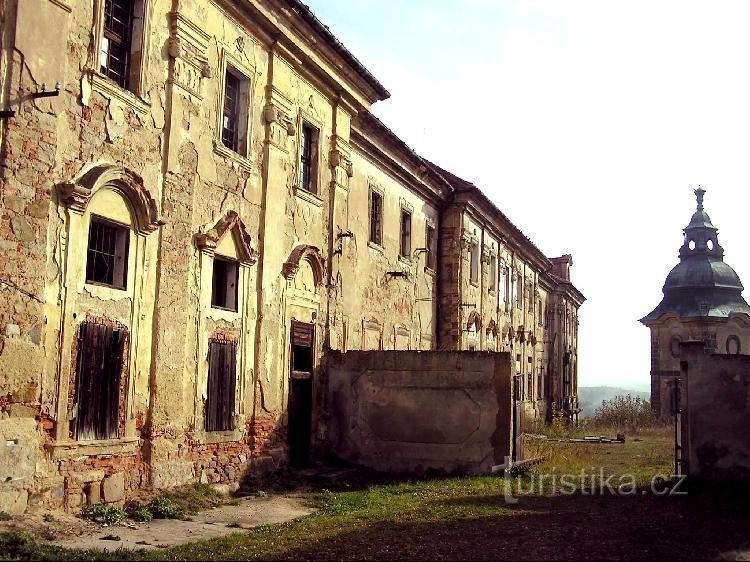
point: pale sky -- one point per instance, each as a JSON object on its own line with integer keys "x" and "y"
{"x": 589, "y": 123}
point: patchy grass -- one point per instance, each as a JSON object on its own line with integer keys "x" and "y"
{"x": 469, "y": 518}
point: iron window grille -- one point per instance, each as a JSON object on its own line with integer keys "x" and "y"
{"x": 107, "y": 254}
{"x": 224, "y": 284}
{"x": 405, "y": 250}
{"x": 376, "y": 218}
{"x": 114, "y": 57}
{"x": 231, "y": 116}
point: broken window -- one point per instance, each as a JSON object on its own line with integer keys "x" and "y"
{"x": 405, "y": 250}
{"x": 222, "y": 358}
{"x": 430, "y": 245}
{"x": 376, "y": 218}
{"x": 308, "y": 158}
{"x": 302, "y": 347}
{"x": 114, "y": 57}
{"x": 107, "y": 254}
{"x": 224, "y": 290}
{"x": 98, "y": 376}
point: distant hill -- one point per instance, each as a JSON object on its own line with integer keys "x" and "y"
{"x": 591, "y": 397}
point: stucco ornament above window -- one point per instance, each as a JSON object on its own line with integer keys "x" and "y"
{"x": 312, "y": 255}
{"x": 230, "y": 223}
{"x": 76, "y": 194}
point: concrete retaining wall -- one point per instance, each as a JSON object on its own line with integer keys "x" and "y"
{"x": 419, "y": 412}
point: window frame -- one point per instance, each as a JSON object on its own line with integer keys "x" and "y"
{"x": 376, "y": 233}
{"x": 120, "y": 229}
{"x": 430, "y": 242}
{"x": 139, "y": 43}
{"x": 405, "y": 234}
{"x": 309, "y": 155}
{"x": 237, "y": 272}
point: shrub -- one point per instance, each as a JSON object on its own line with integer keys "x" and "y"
{"x": 5, "y": 516}
{"x": 164, "y": 508}
{"x": 142, "y": 514}
{"x": 625, "y": 412}
{"x": 101, "y": 513}
{"x": 16, "y": 546}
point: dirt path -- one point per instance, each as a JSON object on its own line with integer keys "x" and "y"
{"x": 218, "y": 522}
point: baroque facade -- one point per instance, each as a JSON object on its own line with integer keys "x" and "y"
{"x": 702, "y": 302}
{"x": 196, "y": 205}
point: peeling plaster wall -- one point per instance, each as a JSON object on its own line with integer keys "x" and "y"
{"x": 375, "y": 309}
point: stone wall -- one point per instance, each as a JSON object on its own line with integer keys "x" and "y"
{"x": 716, "y": 414}
{"x": 420, "y": 412}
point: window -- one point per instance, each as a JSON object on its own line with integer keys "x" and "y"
{"x": 519, "y": 292}
{"x": 230, "y": 121}
{"x": 540, "y": 385}
{"x": 474, "y": 272}
{"x": 98, "y": 377}
{"x": 506, "y": 288}
{"x": 405, "y": 250}
{"x": 429, "y": 242}
{"x": 376, "y": 218}
{"x": 107, "y": 259}
{"x": 114, "y": 57}
{"x": 308, "y": 156}
{"x": 222, "y": 358}
{"x": 224, "y": 289}
{"x": 493, "y": 273}
{"x": 540, "y": 313}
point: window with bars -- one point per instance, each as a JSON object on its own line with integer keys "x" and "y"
{"x": 405, "y": 246}
{"x": 429, "y": 243}
{"x": 224, "y": 284}
{"x": 107, "y": 254}
{"x": 222, "y": 383}
{"x": 99, "y": 366}
{"x": 308, "y": 158}
{"x": 115, "y": 56}
{"x": 231, "y": 116}
{"x": 376, "y": 218}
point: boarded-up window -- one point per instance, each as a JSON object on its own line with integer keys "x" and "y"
{"x": 222, "y": 358}
{"x": 98, "y": 375}
{"x": 302, "y": 347}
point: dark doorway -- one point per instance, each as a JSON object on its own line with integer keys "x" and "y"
{"x": 98, "y": 379}
{"x": 301, "y": 392}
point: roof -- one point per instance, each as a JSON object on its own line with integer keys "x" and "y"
{"x": 702, "y": 284}
{"x": 312, "y": 20}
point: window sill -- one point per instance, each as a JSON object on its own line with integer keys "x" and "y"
{"x": 405, "y": 260}
{"x": 375, "y": 246}
{"x": 106, "y": 292}
{"x": 65, "y": 449}
{"x": 474, "y": 284}
{"x": 236, "y": 159}
{"x": 110, "y": 89}
{"x": 308, "y": 196}
{"x": 229, "y": 436}
{"x": 429, "y": 270}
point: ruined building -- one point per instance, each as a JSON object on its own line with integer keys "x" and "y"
{"x": 197, "y": 205}
{"x": 702, "y": 302}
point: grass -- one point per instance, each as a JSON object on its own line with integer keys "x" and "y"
{"x": 468, "y": 518}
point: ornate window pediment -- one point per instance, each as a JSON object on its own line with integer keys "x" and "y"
{"x": 229, "y": 223}
{"x": 76, "y": 194}
{"x": 308, "y": 253}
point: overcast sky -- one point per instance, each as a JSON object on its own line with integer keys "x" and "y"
{"x": 589, "y": 123}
